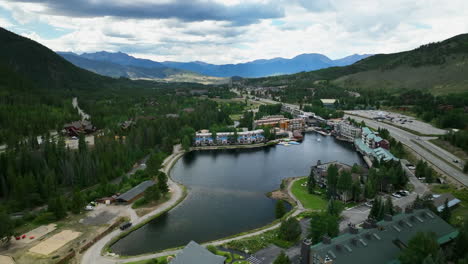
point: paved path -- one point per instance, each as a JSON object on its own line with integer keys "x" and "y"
{"x": 93, "y": 254}
{"x": 108, "y": 260}
{"x": 428, "y": 151}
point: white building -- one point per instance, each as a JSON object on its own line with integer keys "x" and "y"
{"x": 347, "y": 131}
{"x": 204, "y": 138}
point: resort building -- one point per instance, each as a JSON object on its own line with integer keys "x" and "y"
{"x": 320, "y": 173}
{"x": 371, "y": 145}
{"x": 346, "y": 131}
{"x": 194, "y": 253}
{"x": 205, "y": 138}
{"x": 76, "y": 128}
{"x": 281, "y": 122}
{"x": 380, "y": 242}
{"x": 273, "y": 121}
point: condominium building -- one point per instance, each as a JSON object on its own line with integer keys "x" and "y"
{"x": 346, "y": 131}
{"x": 380, "y": 242}
{"x": 281, "y": 122}
{"x": 204, "y": 138}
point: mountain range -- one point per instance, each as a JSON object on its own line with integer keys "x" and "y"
{"x": 123, "y": 65}
{"x": 439, "y": 68}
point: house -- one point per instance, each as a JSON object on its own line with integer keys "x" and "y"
{"x": 193, "y": 253}
{"x": 76, "y": 128}
{"x": 134, "y": 193}
{"x": 439, "y": 201}
{"x": 379, "y": 242}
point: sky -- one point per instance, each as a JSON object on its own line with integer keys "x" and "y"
{"x": 234, "y": 31}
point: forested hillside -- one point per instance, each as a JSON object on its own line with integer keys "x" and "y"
{"x": 436, "y": 67}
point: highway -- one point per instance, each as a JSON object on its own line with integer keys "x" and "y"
{"x": 428, "y": 151}
{"x": 433, "y": 154}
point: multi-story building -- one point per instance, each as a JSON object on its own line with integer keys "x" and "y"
{"x": 205, "y": 137}
{"x": 373, "y": 146}
{"x": 378, "y": 242}
{"x": 346, "y": 131}
{"x": 281, "y": 122}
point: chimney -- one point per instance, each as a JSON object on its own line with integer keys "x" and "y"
{"x": 305, "y": 251}
{"x": 326, "y": 239}
{"x": 353, "y": 230}
{"x": 409, "y": 210}
{"x": 388, "y": 217}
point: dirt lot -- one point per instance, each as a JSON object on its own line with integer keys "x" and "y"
{"x": 37, "y": 234}
{"x": 55, "y": 242}
{"x": 6, "y": 260}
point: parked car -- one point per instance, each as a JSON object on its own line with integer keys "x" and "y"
{"x": 396, "y": 195}
{"x": 74, "y": 138}
{"x": 125, "y": 225}
{"x": 89, "y": 208}
{"x": 403, "y": 192}
{"x": 369, "y": 203}
{"x": 455, "y": 161}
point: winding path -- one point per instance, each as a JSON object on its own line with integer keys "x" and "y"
{"x": 93, "y": 255}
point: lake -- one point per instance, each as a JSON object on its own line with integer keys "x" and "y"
{"x": 227, "y": 192}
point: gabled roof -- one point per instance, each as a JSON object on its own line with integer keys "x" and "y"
{"x": 380, "y": 245}
{"x": 439, "y": 200}
{"x": 135, "y": 191}
{"x": 193, "y": 253}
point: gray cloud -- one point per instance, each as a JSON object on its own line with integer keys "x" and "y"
{"x": 185, "y": 10}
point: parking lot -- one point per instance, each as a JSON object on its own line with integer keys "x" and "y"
{"x": 400, "y": 120}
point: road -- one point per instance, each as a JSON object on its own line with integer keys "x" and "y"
{"x": 359, "y": 214}
{"x": 435, "y": 155}
{"x": 93, "y": 254}
{"x": 428, "y": 151}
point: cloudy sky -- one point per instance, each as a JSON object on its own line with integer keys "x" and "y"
{"x": 232, "y": 31}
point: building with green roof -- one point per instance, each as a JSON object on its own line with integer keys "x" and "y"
{"x": 377, "y": 242}
{"x": 372, "y": 145}
{"x": 193, "y": 253}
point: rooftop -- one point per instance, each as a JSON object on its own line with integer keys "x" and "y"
{"x": 382, "y": 244}
{"x": 193, "y": 253}
{"x": 328, "y": 101}
{"x": 135, "y": 191}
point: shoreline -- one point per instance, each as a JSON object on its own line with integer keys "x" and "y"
{"x": 247, "y": 146}
{"x": 95, "y": 254}
{"x": 295, "y": 210}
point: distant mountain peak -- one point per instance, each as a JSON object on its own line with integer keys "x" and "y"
{"x": 256, "y": 68}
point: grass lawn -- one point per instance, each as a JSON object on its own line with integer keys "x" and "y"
{"x": 256, "y": 243}
{"x": 459, "y": 213}
{"x": 309, "y": 201}
{"x": 450, "y": 148}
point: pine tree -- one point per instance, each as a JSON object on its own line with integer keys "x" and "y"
{"x": 6, "y": 227}
{"x": 311, "y": 183}
{"x": 290, "y": 229}
{"x": 280, "y": 209}
{"x": 77, "y": 202}
{"x": 162, "y": 183}
{"x": 389, "y": 206}
{"x": 282, "y": 259}
{"x": 445, "y": 214}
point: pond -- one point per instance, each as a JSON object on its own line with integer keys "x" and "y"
{"x": 227, "y": 192}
